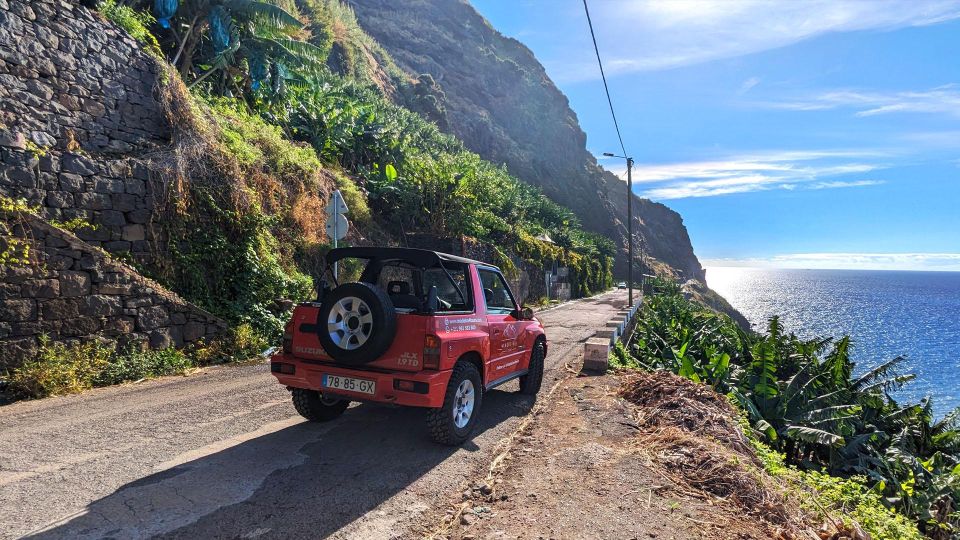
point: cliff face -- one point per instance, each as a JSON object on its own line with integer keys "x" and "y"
{"x": 502, "y": 104}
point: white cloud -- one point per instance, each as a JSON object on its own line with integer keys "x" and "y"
{"x": 851, "y": 261}
{"x": 843, "y": 184}
{"x": 748, "y": 85}
{"x": 786, "y": 170}
{"x": 942, "y": 99}
{"x": 647, "y": 35}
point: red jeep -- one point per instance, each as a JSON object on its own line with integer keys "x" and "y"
{"x": 418, "y": 328}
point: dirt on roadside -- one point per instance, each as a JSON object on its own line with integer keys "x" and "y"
{"x": 640, "y": 456}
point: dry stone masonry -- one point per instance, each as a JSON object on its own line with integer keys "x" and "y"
{"x": 72, "y": 290}
{"x": 76, "y": 96}
{"x": 78, "y": 111}
{"x": 69, "y": 78}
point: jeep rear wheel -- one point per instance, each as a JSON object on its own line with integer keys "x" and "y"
{"x": 316, "y": 408}
{"x": 453, "y": 422}
{"x": 531, "y": 382}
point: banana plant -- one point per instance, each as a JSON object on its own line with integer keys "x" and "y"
{"x": 245, "y": 41}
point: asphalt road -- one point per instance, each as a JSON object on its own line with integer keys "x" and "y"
{"x": 223, "y": 454}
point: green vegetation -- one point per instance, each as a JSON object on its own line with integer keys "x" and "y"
{"x": 13, "y": 251}
{"x": 136, "y": 23}
{"x": 804, "y": 399}
{"x": 835, "y": 498}
{"x": 59, "y": 368}
{"x": 75, "y": 224}
{"x": 67, "y": 369}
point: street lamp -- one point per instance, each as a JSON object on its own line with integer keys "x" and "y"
{"x": 629, "y": 225}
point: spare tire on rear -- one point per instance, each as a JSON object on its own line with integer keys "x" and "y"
{"x": 356, "y": 323}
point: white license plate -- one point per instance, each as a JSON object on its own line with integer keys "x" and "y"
{"x": 336, "y": 382}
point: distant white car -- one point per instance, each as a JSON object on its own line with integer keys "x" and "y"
{"x": 622, "y": 285}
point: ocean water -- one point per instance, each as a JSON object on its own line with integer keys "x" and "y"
{"x": 886, "y": 313}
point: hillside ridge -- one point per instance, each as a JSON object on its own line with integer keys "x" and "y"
{"x": 503, "y": 105}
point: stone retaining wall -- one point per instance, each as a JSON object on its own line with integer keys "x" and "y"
{"x": 71, "y": 80}
{"x": 77, "y": 94}
{"x": 79, "y": 115}
{"x": 113, "y": 195}
{"x": 72, "y": 290}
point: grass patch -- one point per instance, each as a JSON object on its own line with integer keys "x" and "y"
{"x": 60, "y": 368}
{"x": 136, "y": 23}
{"x": 359, "y": 210}
{"x": 239, "y": 344}
{"x": 134, "y": 365}
{"x": 620, "y": 358}
{"x": 254, "y": 142}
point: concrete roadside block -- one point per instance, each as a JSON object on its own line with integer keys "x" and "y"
{"x": 615, "y": 326}
{"x": 596, "y": 354}
{"x": 621, "y": 324}
{"x": 609, "y": 334}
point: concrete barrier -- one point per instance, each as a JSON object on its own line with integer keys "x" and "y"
{"x": 615, "y": 326}
{"x": 596, "y": 350}
{"x": 607, "y": 333}
{"x": 620, "y": 322}
{"x": 596, "y": 354}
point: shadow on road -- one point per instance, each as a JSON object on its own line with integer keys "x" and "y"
{"x": 305, "y": 480}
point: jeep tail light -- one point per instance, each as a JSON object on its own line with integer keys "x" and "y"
{"x": 431, "y": 352}
{"x": 411, "y": 386}
{"x": 280, "y": 367}
{"x": 287, "y": 339}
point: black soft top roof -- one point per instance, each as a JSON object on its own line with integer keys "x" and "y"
{"x": 422, "y": 258}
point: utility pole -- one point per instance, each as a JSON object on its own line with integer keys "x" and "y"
{"x": 629, "y": 225}
{"x": 630, "y": 231}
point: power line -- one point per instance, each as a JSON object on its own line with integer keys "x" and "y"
{"x": 604, "y": 77}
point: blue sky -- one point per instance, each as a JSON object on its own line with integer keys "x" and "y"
{"x": 789, "y": 134}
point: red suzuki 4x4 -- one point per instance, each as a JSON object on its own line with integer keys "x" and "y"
{"x": 418, "y": 328}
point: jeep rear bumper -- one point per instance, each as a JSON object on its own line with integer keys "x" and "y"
{"x": 431, "y": 386}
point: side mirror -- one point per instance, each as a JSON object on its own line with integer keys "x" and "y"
{"x": 523, "y": 313}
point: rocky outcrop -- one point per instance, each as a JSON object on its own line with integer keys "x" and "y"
{"x": 71, "y": 290}
{"x": 501, "y": 103}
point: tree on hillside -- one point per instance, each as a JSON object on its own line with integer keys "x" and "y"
{"x": 234, "y": 46}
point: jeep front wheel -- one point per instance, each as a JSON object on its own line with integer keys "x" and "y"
{"x": 530, "y": 383}
{"x": 316, "y": 408}
{"x": 453, "y": 422}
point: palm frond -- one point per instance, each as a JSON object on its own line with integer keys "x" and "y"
{"x": 949, "y": 422}
{"x": 881, "y": 371}
{"x": 276, "y": 14}
{"x": 902, "y": 414}
{"x": 838, "y": 363}
{"x": 888, "y": 385}
{"x": 815, "y": 436}
{"x": 833, "y": 412}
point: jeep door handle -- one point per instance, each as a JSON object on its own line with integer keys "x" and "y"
{"x": 496, "y": 332}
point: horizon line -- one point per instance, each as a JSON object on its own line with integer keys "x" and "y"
{"x": 907, "y": 262}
